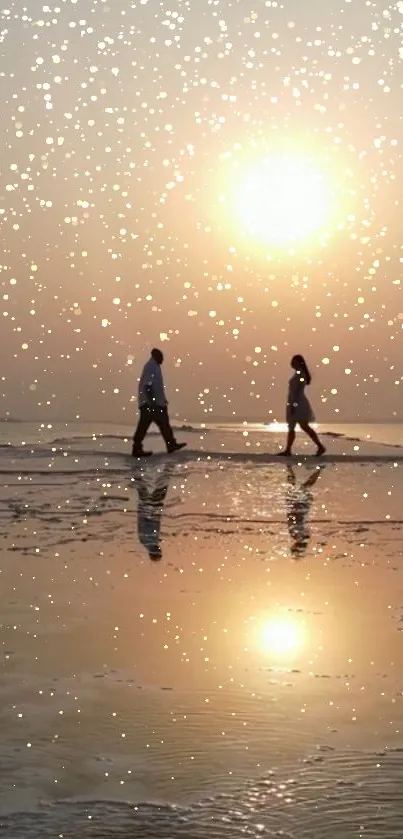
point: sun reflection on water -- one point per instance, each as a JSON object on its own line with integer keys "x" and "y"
{"x": 281, "y": 636}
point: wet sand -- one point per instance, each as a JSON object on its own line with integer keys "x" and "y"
{"x": 251, "y": 676}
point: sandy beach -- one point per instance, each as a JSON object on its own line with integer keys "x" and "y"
{"x": 247, "y": 682}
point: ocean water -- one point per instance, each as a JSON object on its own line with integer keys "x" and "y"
{"x": 244, "y": 682}
{"x": 42, "y": 432}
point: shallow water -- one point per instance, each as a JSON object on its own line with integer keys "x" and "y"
{"x": 15, "y": 433}
{"x": 348, "y": 795}
{"x": 247, "y": 684}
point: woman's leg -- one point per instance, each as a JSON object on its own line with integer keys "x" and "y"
{"x": 290, "y": 441}
{"x": 314, "y": 437}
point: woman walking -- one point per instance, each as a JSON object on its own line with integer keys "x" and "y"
{"x": 299, "y": 410}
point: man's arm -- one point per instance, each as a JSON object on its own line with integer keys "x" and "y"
{"x": 158, "y": 388}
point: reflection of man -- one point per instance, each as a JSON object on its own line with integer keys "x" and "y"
{"x": 149, "y": 509}
{"x": 298, "y": 504}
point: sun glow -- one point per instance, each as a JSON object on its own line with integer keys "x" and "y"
{"x": 281, "y": 636}
{"x": 284, "y": 199}
{"x": 282, "y": 427}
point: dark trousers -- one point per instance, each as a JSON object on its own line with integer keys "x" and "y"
{"x": 160, "y": 417}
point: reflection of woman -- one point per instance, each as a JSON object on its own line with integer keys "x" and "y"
{"x": 299, "y": 410}
{"x": 149, "y": 510}
{"x": 298, "y": 504}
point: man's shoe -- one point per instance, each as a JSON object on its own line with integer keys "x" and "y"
{"x": 140, "y": 453}
{"x": 176, "y": 447}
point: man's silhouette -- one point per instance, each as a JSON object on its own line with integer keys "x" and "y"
{"x": 149, "y": 509}
{"x": 153, "y": 406}
{"x": 298, "y": 504}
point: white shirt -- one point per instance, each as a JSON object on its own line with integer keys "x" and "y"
{"x": 151, "y": 385}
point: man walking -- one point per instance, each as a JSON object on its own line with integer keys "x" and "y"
{"x": 153, "y": 407}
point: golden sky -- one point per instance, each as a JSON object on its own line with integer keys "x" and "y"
{"x": 127, "y": 130}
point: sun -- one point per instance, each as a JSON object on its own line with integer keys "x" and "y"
{"x": 284, "y": 199}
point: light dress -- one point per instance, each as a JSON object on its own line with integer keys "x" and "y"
{"x": 298, "y": 406}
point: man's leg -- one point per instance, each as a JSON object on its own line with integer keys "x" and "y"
{"x": 161, "y": 419}
{"x": 145, "y": 420}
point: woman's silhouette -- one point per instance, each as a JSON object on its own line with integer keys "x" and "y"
{"x": 299, "y": 410}
{"x": 298, "y": 504}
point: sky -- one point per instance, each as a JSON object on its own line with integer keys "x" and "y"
{"x": 127, "y": 130}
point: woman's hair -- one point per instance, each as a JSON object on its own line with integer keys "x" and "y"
{"x": 298, "y": 363}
